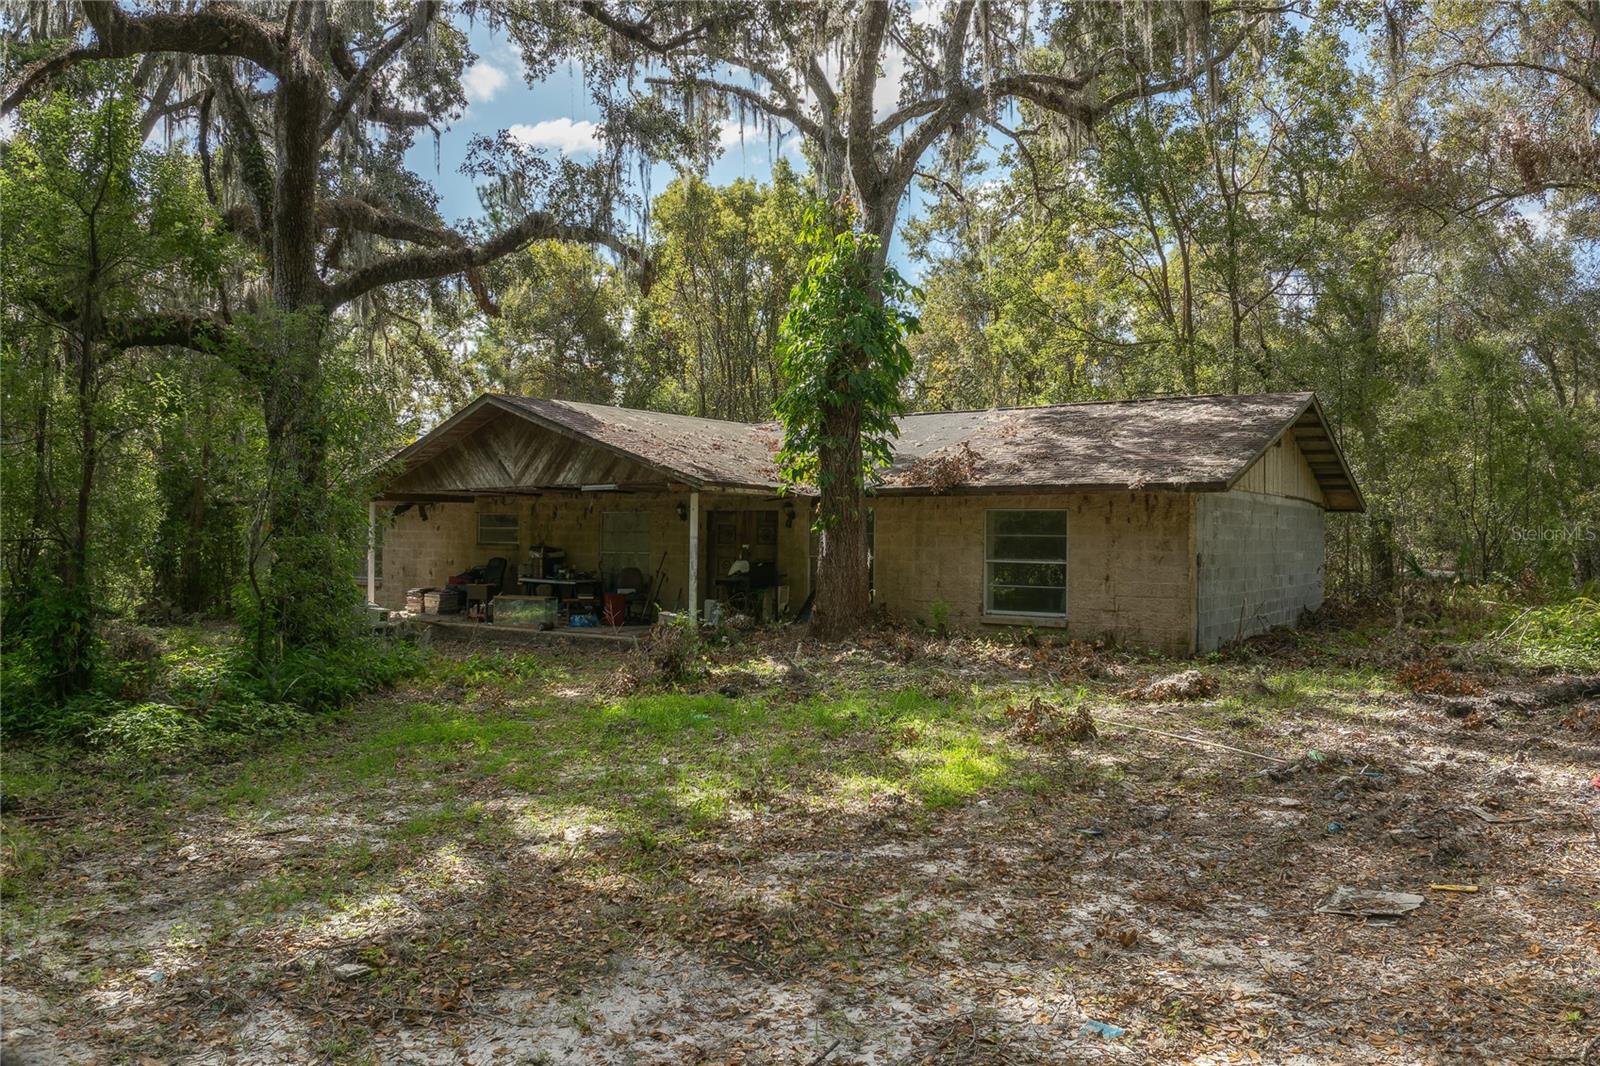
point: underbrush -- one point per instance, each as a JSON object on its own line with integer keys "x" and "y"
{"x": 1561, "y": 635}
{"x": 163, "y": 693}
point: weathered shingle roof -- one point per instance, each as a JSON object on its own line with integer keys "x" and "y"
{"x": 1179, "y": 442}
{"x": 703, "y": 450}
{"x": 1183, "y": 443}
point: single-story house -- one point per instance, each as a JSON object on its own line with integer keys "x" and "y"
{"x": 1173, "y": 522}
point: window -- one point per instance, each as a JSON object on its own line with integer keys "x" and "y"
{"x": 624, "y": 542}
{"x": 498, "y": 529}
{"x": 1025, "y": 563}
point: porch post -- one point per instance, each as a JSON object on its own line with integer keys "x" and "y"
{"x": 372, "y": 551}
{"x": 694, "y": 556}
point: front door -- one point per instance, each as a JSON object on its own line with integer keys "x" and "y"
{"x": 733, "y": 535}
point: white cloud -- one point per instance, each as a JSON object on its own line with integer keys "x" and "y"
{"x": 886, "y": 92}
{"x": 483, "y": 81}
{"x": 927, "y": 12}
{"x": 562, "y": 134}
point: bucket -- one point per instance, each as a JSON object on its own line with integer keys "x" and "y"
{"x": 615, "y": 612}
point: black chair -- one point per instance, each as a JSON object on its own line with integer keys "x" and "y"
{"x": 630, "y": 577}
{"x": 763, "y": 575}
{"x": 494, "y": 574}
{"x": 491, "y": 573}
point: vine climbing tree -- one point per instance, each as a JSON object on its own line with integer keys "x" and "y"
{"x": 842, "y": 350}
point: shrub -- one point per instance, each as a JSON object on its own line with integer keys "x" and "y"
{"x": 670, "y": 654}
{"x": 1564, "y": 635}
{"x": 147, "y": 730}
{"x": 163, "y": 692}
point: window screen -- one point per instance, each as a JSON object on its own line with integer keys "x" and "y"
{"x": 624, "y": 542}
{"x": 497, "y": 529}
{"x": 1025, "y": 563}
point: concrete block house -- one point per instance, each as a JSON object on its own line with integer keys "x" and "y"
{"x": 1176, "y": 522}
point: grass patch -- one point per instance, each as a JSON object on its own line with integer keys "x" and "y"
{"x": 954, "y": 772}
{"x": 1563, "y": 635}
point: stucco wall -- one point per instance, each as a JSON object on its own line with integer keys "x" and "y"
{"x": 418, "y": 552}
{"x": 1128, "y": 561}
{"x": 1260, "y": 564}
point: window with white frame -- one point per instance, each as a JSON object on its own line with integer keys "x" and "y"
{"x": 1025, "y": 563}
{"x": 498, "y": 530}
{"x": 624, "y": 542}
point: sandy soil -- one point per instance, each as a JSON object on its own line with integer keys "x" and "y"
{"x": 1165, "y": 888}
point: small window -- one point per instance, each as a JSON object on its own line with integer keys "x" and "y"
{"x": 624, "y": 542}
{"x": 1025, "y": 563}
{"x": 499, "y": 530}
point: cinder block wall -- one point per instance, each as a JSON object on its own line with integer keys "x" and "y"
{"x": 424, "y": 551}
{"x": 1260, "y": 564}
{"x": 1128, "y": 562}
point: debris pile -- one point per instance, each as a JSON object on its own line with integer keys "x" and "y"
{"x": 943, "y": 470}
{"x": 1431, "y": 676}
{"x": 1185, "y": 685}
{"x": 1039, "y": 722}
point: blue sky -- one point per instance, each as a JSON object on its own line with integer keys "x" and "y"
{"x": 557, "y": 114}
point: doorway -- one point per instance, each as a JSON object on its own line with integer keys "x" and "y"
{"x": 735, "y": 535}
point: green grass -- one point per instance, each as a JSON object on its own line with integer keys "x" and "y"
{"x": 651, "y": 772}
{"x": 1563, "y": 635}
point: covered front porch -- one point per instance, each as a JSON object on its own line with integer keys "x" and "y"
{"x": 571, "y": 544}
{"x": 577, "y": 515}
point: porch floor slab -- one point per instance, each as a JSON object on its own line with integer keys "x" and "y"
{"x": 469, "y": 630}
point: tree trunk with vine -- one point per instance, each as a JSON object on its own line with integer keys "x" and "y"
{"x": 844, "y": 593}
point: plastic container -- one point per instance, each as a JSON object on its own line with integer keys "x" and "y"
{"x": 615, "y": 612}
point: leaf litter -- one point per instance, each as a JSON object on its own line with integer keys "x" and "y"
{"x": 866, "y": 926}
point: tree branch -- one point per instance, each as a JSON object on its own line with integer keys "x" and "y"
{"x": 421, "y": 17}
{"x": 642, "y": 33}
{"x": 202, "y": 334}
{"x": 776, "y": 109}
{"x": 255, "y": 165}
{"x": 863, "y": 79}
{"x": 211, "y": 31}
{"x": 443, "y": 262}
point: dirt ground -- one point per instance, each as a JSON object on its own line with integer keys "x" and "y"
{"x": 877, "y": 853}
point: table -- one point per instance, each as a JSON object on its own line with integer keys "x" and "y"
{"x": 743, "y": 592}
{"x": 565, "y": 588}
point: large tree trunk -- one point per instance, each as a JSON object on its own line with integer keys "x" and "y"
{"x": 308, "y": 603}
{"x": 306, "y": 600}
{"x": 843, "y": 591}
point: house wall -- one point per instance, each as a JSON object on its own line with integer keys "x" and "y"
{"x": 420, "y": 552}
{"x": 1128, "y": 561}
{"x": 1259, "y": 549}
{"x": 1260, "y": 563}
